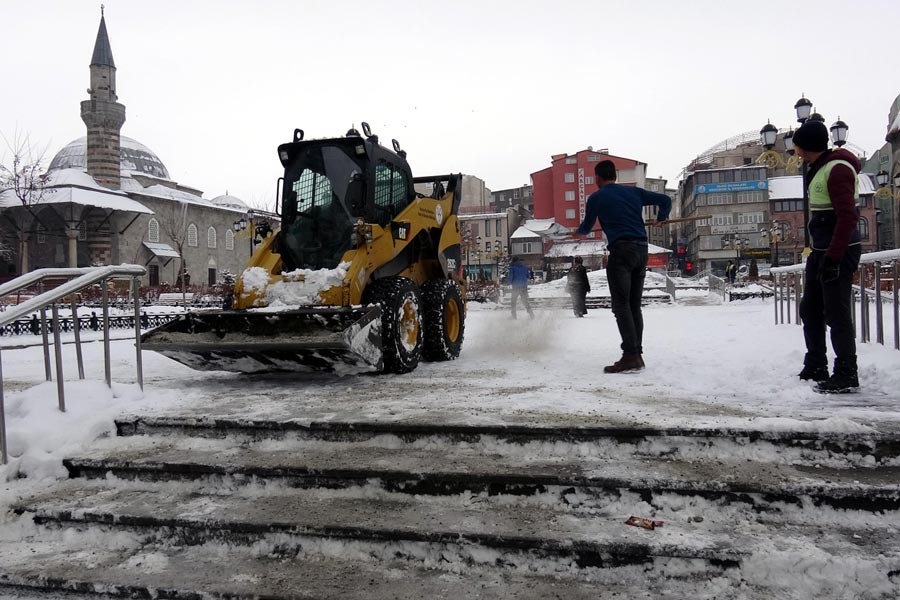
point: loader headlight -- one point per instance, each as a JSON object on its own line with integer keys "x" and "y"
{"x": 360, "y": 149}
{"x": 284, "y": 156}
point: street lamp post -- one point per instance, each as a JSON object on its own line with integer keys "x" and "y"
{"x": 258, "y": 225}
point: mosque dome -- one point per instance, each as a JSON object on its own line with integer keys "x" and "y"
{"x": 136, "y": 158}
{"x": 229, "y": 201}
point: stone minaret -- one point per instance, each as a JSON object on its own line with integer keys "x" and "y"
{"x": 103, "y": 116}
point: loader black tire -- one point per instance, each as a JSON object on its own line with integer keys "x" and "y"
{"x": 445, "y": 318}
{"x": 401, "y": 322}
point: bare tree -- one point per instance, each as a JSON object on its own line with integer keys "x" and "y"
{"x": 23, "y": 176}
{"x": 175, "y": 225}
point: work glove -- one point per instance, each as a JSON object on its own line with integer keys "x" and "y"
{"x": 830, "y": 270}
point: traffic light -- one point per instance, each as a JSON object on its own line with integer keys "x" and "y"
{"x": 689, "y": 266}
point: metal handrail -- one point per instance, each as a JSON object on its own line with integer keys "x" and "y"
{"x": 84, "y": 277}
{"x": 38, "y": 275}
{"x": 790, "y": 281}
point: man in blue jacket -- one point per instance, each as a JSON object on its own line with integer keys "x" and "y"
{"x": 620, "y": 211}
{"x": 518, "y": 281}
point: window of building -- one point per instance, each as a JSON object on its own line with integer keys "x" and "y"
{"x": 570, "y": 195}
{"x": 722, "y": 219}
{"x": 229, "y": 239}
{"x": 654, "y": 187}
{"x": 788, "y": 205}
{"x": 499, "y": 230}
{"x": 863, "y": 201}
{"x": 515, "y": 194}
{"x": 82, "y": 232}
{"x": 748, "y": 197}
{"x": 588, "y": 180}
{"x": 153, "y": 231}
{"x": 569, "y": 178}
{"x": 211, "y": 237}
{"x": 487, "y": 246}
{"x": 192, "y": 235}
{"x": 750, "y": 218}
{"x": 863, "y": 227}
{"x": 570, "y": 213}
{"x": 716, "y": 199}
{"x": 593, "y": 158}
{"x": 572, "y": 160}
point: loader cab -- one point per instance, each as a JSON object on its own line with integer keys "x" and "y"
{"x": 328, "y": 185}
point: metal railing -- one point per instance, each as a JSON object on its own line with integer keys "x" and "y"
{"x": 791, "y": 280}
{"x": 83, "y": 277}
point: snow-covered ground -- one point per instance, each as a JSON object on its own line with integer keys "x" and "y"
{"x": 723, "y": 364}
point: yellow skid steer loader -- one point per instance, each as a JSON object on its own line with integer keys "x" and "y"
{"x": 364, "y": 274}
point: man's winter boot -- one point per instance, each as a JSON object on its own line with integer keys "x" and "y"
{"x": 628, "y": 362}
{"x": 817, "y": 374}
{"x": 844, "y": 380}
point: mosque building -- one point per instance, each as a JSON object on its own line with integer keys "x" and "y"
{"x": 110, "y": 199}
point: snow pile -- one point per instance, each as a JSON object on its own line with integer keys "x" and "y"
{"x": 40, "y": 435}
{"x": 303, "y": 287}
{"x": 255, "y": 279}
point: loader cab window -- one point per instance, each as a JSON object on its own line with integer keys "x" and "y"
{"x": 391, "y": 191}
{"x": 316, "y": 221}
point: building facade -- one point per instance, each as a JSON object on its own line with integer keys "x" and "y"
{"x": 521, "y": 196}
{"x": 746, "y": 210}
{"x": 561, "y": 190}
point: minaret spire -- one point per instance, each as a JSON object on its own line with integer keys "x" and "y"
{"x": 103, "y": 114}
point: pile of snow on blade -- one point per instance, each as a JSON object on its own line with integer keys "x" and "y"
{"x": 301, "y": 287}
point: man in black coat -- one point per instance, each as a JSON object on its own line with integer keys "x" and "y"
{"x": 578, "y": 285}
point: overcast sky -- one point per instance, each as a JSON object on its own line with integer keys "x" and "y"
{"x": 486, "y": 87}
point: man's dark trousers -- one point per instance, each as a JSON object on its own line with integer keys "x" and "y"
{"x": 625, "y": 272}
{"x": 829, "y": 304}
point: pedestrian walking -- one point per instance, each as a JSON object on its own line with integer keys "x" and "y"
{"x": 833, "y": 194}
{"x": 578, "y": 286}
{"x": 518, "y": 281}
{"x": 35, "y": 325}
{"x": 620, "y": 211}
{"x": 731, "y": 271}
{"x": 93, "y": 323}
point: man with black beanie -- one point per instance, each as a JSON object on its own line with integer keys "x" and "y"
{"x": 833, "y": 194}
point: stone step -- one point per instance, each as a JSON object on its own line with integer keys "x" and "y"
{"x": 849, "y": 448}
{"x": 440, "y": 468}
{"x": 118, "y": 565}
{"x": 588, "y": 537}
{"x": 570, "y": 528}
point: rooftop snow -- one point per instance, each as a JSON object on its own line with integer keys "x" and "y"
{"x": 106, "y": 199}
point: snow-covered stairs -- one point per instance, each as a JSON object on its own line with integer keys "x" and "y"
{"x": 179, "y": 508}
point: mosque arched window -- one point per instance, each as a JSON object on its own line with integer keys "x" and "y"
{"x": 229, "y": 239}
{"x": 153, "y": 231}
{"x": 211, "y": 237}
{"x": 192, "y": 235}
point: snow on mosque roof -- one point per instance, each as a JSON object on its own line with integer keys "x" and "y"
{"x": 136, "y": 158}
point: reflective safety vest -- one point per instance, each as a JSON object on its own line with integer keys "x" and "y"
{"x": 819, "y": 199}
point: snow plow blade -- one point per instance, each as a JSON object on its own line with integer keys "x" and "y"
{"x": 342, "y": 339}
